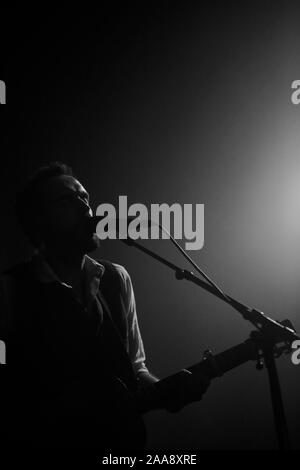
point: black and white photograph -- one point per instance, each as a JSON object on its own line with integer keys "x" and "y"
{"x": 150, "y": 231}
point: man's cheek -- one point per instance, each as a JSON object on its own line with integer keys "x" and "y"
{"x": 56, "y": 227}
{"x": 64, "y": 221}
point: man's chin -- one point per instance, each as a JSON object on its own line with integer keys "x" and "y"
{"x": 92, "y": 244}
{"x": 75, "y": 245}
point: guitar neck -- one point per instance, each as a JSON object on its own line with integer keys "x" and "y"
{"x": 226, "y": 360}
{"x": 211, "y": 368}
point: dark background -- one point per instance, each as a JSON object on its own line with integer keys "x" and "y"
{"x": 174, "y": 102}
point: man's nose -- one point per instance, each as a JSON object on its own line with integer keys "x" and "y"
{"x": 84, "y": 206}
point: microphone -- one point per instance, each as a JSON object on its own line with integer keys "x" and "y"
{"x": 115, "y": 227}
{"x": 93, "y": 221}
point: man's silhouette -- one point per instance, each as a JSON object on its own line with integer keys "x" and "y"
{"x": 75, "y": 373}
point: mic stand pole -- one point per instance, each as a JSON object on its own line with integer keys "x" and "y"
{"x": 277, "y": 401}
{"x": 269, "y": 333}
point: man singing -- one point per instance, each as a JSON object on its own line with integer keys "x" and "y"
{"x": 75, "y": 373}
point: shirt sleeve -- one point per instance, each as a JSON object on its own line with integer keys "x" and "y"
{"x": 136, "y": 347}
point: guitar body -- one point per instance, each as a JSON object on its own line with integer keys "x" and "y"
{"x": 84, "y": 415}
{"x": 104, "y": 416}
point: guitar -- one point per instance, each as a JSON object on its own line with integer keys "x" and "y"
{"x": 209, "y": 368}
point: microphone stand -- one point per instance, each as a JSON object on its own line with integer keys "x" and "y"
{"x": 270, "y": 332}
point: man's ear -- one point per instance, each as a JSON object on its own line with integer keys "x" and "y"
{"x": 38, "y": 231}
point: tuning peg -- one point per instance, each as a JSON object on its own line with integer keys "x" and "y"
{"x": 210, "y": 358}
{"x": 207, "y": 354}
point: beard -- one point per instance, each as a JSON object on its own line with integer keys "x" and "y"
{"x": 91, "y": 244}
{"x": 81, "y": 243}
{"x": 76, "y": 243}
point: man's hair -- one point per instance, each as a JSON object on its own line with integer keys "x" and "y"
{"x": 29, "y": 204}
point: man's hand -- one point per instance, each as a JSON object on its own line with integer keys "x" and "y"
{"x": 181, "y": 389}
{"x": 173, "y": 392}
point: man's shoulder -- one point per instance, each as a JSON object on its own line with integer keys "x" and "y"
{"x": 115, "y": 274}
{"x": 10, "y": 275}
{"x": 14, "y": 282}
{"x": 115, "y": 283}
{"x": 122, "y": 271}
{"x": 117, "y": 268}
{"x": 17, "y": 270}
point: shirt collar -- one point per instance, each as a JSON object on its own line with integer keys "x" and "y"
{"x": 45, "y": 274}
